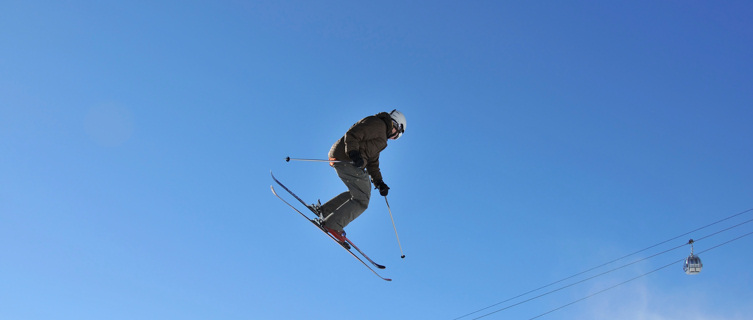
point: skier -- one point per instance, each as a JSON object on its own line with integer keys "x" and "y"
{"x": 356, "y": 157}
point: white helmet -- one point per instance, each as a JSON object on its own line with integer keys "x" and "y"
{"x": 398, "y": 119}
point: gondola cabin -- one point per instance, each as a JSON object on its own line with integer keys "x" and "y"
{"x": 693, "y": 264}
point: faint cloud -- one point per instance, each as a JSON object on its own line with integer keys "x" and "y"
{"x": 641, "y": 302}
{"x": 109, "y": 124}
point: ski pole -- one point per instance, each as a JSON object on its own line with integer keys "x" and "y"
{"x": 402, "y": 255}
{"x": 287, "y": 159}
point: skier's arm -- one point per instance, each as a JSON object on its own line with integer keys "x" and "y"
{"x": 373, "y": 168}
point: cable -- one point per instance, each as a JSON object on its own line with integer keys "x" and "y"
{"x": 602, "y": 291}
{"x": 718, "y": 232}
{"x": 607, "y": 263}
{"x": 624, "y": 282}
{"x": 601, "y": 274}
{"x": 581, "y": 281}
{"x": 626, "y": 265}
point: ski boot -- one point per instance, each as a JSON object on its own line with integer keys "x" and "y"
{"x": 339, "y": 236}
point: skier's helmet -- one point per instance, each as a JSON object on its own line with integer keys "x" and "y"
{"x": 398, "y": 119}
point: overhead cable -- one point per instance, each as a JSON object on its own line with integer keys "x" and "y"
{"x": 610, "y": 262}
{"x": 624, "y": 282}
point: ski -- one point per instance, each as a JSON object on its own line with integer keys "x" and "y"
{"x": 315, "y": 214}
{"x": 314, "y": 222}
{"x": 363, "y": 254}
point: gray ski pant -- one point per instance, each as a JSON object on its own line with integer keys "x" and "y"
{"x": 347, "y": 206}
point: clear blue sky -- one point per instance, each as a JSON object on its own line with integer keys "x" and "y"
{"x": 544, "y": 138}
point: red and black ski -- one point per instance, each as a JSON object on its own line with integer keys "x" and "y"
{"x": 315, "y": 222}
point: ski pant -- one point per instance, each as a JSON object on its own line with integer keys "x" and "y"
{"x": 347, "y": 206}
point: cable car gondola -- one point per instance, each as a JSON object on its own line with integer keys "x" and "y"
{"x": 693, "y": 263}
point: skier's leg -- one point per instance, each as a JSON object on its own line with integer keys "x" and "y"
{"x": 359, "y": 192}
{"x": 334, "y": 203}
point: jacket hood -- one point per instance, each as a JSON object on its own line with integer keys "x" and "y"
{"x": 387, "y": 121}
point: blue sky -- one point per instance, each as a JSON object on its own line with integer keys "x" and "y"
{"x": 543, "y": 139}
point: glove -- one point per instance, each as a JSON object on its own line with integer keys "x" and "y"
{"x": 383, "y": 188}
{"x": 356, "y": 157}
